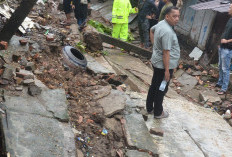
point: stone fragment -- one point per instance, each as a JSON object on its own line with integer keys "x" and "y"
{"x": 3, "y": 45}
{"x": 20, "y": 88}
{"x": 210, "y": 96}
{"x": 196, "y": 53}
{"x": 50, "y": 37}
{"x": 38, "y": 72}
{"x": 8, "y": 74}
{"x": 18, "y": 80}
{"x": 23, "y": 61}
{"x": 156, "y": 131}
{"x": 113, "y": 103}
{"x": 28, "y": 82}
{"x": 24, "y": 74}
{"x": 189, "y": 82}
{"x": 16, "y": 57}
{"x": 23, "y": 42}
{"x": 101, "y": 92}
{"x": 178, "y": 73}
{"x": 196, "y": 73}
{"x": 204, "y": 72}
{"x": 34, "y": 90}
{"x": 30, "y": 66}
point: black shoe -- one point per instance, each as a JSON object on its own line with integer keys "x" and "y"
{"x": 219, "y": 86}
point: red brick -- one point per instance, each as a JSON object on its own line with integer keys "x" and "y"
{"x": 50, "y": 37}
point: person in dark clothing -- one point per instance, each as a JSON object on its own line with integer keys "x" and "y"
{"x": 225, "y": 55}
{"x": 67, "y": 10}
{"x": 147, "y": 10}
{"x": 159, "y": 5}
{"x": 81, "y": 11}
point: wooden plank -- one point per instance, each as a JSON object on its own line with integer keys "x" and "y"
{"x": 126, "y": 46}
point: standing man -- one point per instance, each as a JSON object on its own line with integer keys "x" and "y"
{"x": 147, "y": 11}
{"x": 120, "y": 18}
{"x": 168, "y": 4}
{"x": 165, "y": 57}
{"x": 225, "y": 55}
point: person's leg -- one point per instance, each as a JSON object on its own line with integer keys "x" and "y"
{"x": 226, "y": 59}
{"x": 220, "y": 80}
{"x": 67, "y": 9}
{"x": 124, "y": 32}
{"x": 152, "y": 91}
{"x": 116, "y": 30}
{"x": 146, "y": 35}
{"x": 159, "y": 97}
{"x": 141, "y": 33}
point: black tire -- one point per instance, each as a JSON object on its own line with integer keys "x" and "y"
{"x": 75, "y": 56}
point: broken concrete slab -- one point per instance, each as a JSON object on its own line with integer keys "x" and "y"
{"x": 55, "y": 102}
{"x": 15, "y": 45}
{"x": 135, "y": 153}
{"x": 194, "y": 94}
{"x": 96, "y": 67}
{"x": 187, "y": 81}
{"x": 32, "y": 121}
{"x": 26, "y": 135}
{"x": 137, "y": 134}
{"x": 178, "y": 73}
{"x": 196, "y": 53}
{"x": 191, "y": 130}
{"x": 209, "y": 96}
{"x": 101, "y": 92}
{"x": 113, "y": 103}
{"x": 104, "y": 63}
{"x": 133, "y": 65}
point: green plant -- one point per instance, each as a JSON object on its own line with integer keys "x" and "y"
{"x": 80, "y": 46}
{"x": 106, "y": 30}
{"x": 104, "y": 53}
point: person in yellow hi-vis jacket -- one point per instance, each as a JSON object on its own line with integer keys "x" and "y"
{"x": 120, "y": 17}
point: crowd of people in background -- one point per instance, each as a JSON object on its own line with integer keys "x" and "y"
{"x": 80, "y": 8}
{"x": 150, "y": 13}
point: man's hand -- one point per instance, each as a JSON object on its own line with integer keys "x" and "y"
{"x": 89, "y": 5}
{"x": 136, "y": 9}
{"x": 148, "y": 17}
{"x": 224, "y": 41}
{"x": 167, "y": 75}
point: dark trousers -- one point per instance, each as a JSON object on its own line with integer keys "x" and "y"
{"x": 155, "y": 97}
{"x": 144, "y": 32}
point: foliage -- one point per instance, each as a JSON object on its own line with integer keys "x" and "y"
{"x": 80, "y": 46}
{"x": 106, "y": 30}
